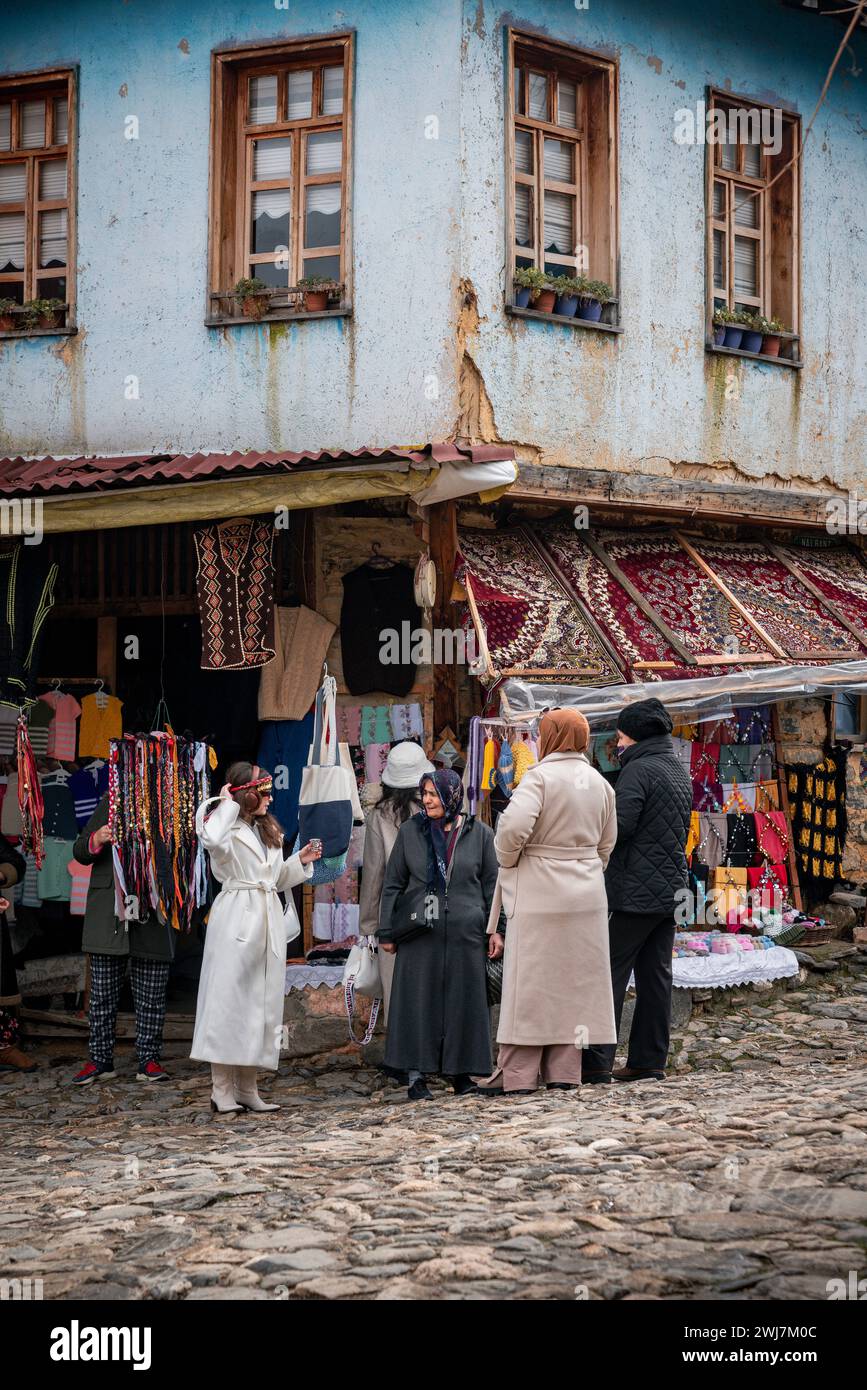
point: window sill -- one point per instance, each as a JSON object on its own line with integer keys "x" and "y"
{"x": 278, "y": 316}
{"x": 39, "y": 332}
{"x": 571, "y": 320}
{"x": 795, "y": 364}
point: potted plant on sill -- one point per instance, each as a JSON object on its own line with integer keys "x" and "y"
{"x": 566, "y": 289}
{"x": 771, "y": 330}
{"x": 732, "y": 323}
{"x": 753, "y": 332}
{"x": 592, "y": 294}
{"x": 529, "y": 282}
{"x": 7, "y": 316}
{"x": 42, "y": 313}
{"x": 316, "y": 289}
{"x": 253, "y": 295}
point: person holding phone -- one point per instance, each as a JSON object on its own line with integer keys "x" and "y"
{"x": 239, "y": 1011}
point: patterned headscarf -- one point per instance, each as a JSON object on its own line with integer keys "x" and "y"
{"x": 449, "y": 789}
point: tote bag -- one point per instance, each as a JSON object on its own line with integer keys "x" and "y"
{"x": 325, "y": 802}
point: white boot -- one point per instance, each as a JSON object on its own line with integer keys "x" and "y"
{"x": 246, "y": 1092}
{"x": 223, "y": 1090}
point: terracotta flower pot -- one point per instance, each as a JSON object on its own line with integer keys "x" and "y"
{"x": 7, "y": 323}
{"x": 315, "y": 300}
{"x": 771, "y": 344}
{"x": 50, "y": 320}
{"x": 254, "y": 305}
{"x": 545, "y": 302}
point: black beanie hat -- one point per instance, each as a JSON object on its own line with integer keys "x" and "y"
{"x": 645, "y": 719}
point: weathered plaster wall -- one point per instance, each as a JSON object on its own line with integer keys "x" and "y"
{"x": 429, "y": 348}
{"x": 653, "y": 397}
{"x": 143, "y": 241}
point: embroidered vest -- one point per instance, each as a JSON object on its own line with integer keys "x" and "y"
{"x": 235, "y": 590}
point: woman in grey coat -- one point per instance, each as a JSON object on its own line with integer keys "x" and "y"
{"x": 441, "y": 874}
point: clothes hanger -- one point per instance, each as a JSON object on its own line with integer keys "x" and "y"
{"x": 377, "y": 561}
{"x": 101, "y": 694}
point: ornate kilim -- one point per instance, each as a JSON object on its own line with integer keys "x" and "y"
{"x": 631, "y": 634}
{"x": 785, "y": 609}
{"x": 235, "y": 587}
{"x": 528, "y": 620}
{"x": 840, "y": 575}
{"x": 683, "y": 595}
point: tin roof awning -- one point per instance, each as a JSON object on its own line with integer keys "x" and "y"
{"x": 135, "y": 489}
{"x": 613, "y": 607}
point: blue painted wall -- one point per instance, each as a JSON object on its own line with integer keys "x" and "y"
{"x": 414, "y": 362}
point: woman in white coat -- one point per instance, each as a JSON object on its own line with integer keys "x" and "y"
{"x": 239, "y": 1012}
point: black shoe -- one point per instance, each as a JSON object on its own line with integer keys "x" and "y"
{"x": 562, "y": 1086}
{"x": 597, "y": 1078}
{"x": 638, "y": 1074}
{"x": 491, "y": 1091}
{"x": 419, "y": 1091}
{"x": 464, "y": 1086}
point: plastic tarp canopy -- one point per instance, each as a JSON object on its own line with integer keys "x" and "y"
{"x": 706, "y": 697}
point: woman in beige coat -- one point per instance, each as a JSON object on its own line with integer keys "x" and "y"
{"x": 404, "y": 768}
{"x": 553, "y": 842}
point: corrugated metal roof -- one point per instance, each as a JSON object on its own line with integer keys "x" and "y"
{"x": 52, "y": 476}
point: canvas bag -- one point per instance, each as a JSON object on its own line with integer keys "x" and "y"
{"x": 325, "y": 802}
{"x": 361, "y": 976}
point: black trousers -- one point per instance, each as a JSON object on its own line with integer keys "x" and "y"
{"x": 641, "y": 942}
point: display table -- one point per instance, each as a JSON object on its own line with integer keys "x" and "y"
{"x": 312, "y": 976}
{"x": 739, "y": 968}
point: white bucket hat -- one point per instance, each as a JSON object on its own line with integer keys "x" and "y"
{"x": 405, "y": 765}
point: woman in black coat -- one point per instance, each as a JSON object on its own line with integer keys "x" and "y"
{"x": 439, "y": 883}
{"x": 12, "y": 866}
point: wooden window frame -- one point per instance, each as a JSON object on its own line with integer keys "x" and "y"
{"x": 46, "y": 85}
{"x": 595, "y": 159}
{"x": 778, "y": 230}
{"x": 231, "y": 183}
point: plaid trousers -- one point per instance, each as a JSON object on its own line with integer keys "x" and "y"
{"x": 149, "y": 979}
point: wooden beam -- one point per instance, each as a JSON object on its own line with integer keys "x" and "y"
{"x": 670, "y": 497}
{"x": 730, "y": 597}
{"x": 686, "y": 656}
{"x": 828, "y": 604}
{"x": 443, "y": 549}
{"x": 744, "y": 659}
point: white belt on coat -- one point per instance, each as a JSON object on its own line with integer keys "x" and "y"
{"x": 561, "y": 851}
{"x": 278, "y": 947}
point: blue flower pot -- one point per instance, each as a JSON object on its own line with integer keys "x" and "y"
{"x": 733, "y": 336}
{"x": 589, "y": 309}
{"x": 719, "y": 332}
{"x": 522, "y": 298}
{"x": 751, "y": 341}
{"x": 566, "y": 304}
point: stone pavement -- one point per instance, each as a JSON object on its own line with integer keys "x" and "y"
{"x": 743, "y": 1176}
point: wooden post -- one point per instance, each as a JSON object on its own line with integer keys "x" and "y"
{"x": 784, "y": 807}
{"x": 443, "y": 548}
{"x": 307, "y": 918}
{"x": 106, "y": 651}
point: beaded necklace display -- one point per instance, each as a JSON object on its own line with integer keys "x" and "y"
{"x": 156, "y": 781}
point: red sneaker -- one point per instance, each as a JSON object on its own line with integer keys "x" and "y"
{"x": 152, "y": 1071}
{"x": 94, "y": 1071}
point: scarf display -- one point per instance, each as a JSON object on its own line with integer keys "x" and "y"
{"x": 155, "y": 783}
{"x": 441, "y": 843}
{"x": 29, "y": 796}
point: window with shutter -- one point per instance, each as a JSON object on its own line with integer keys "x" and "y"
{"x": 562, "y": 160}
{"x": 753, "y": 194}
{"x": 280, "y": 142}
{"x": 36, "y": 204}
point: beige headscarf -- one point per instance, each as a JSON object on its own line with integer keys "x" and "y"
{"x": 563, "y": 731}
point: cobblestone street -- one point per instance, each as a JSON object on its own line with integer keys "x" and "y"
{"x": 741, "y": 1177}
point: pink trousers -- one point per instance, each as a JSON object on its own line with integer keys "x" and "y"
{"x": 521, "y": 1068}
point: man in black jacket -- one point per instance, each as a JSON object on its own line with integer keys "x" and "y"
{"x": 645, "y": 873}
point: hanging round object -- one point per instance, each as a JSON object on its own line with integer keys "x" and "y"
{"x": 425, "y": 582}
